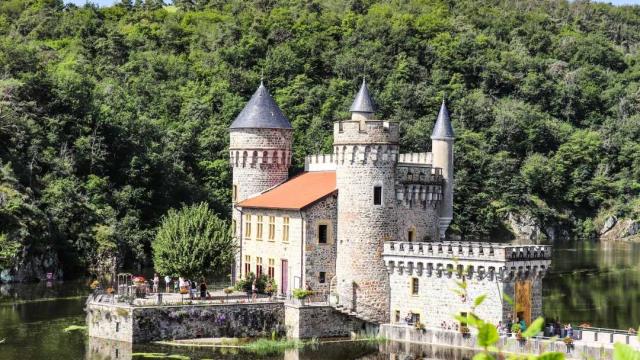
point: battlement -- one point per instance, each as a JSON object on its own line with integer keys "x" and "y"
{"x": 365, "y": 132}
{"x": 320, "y": 162}
{"x": 259, "y": 158}
{"x": 425, "y": 175}
{"x": 423, "y": 158}
{"x": 475, "y": 258}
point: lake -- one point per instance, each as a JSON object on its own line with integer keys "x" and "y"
{"x": 590, "y": 282}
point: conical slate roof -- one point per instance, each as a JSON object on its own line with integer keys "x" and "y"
{"x": 362, "y": 103}
{"x": 261, "y": 112}
{"x": 442, "y": 129}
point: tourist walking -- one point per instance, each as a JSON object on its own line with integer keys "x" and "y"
{"x": 167, "y": 283}
{"x": 203, "y": 289}
{"x": 254, "y": 291}
{"x": 194, "y": 288}
{"x": 156, "y": 282}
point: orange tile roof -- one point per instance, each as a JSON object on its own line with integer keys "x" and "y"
{"x": 297, "y": 193}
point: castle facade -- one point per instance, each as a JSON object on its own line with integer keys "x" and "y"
{"x": 333, "y": 227}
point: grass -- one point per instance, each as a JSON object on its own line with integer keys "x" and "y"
{"x": 271, "y": 346}
{"x": 71, "y": 328}
{"x": 159, "y": 356}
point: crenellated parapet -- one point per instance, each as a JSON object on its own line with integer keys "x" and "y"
{"x": 320, "y": 162}
{"x": 260, "y": 159}
{"x": 365, "y": 132}
{"x": 472, "y": 260}
{"x": 365, "y": 154}
{"x": 423, "y": 158}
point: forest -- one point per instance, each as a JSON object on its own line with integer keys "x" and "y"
{"x": 112, "y": 116}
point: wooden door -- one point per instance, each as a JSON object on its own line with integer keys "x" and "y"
{"x": 523, "y": 300}
{"x": 284, "y": 277}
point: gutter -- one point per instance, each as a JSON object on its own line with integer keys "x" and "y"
{"x": 239, "y": 275}
{"x": 302, "y": 242}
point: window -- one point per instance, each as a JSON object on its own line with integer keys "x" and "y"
{"x": 234, "y": 193}
{"x": 397, "y": 316}
{"x": 414, "y": 286}
{"x": 323, "y": 277}
{"x": 377, "y": 195}
{"x": 411, "y": 235}
{"x": 247, "y": 226}
{"x": 322, "y": 233}
{"x": 272, "y": 268}
{"x": 247, "y": 265}
{"x": 259, "y": 230}
{"x": 258, "y": 266}
{"x": 272, "y": 228}
{"x": 285, "y": 229}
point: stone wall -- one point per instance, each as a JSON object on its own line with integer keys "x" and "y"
{"x": 145, "y": 324}
{"x": 260, "y": 159}
{"x": 320, "y": 321}
{"x": 320, "y": 257}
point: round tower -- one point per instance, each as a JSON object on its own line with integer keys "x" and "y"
{"x": 366, "y": 151}
{"x": 259, "y": 152}
{"x": 442, "y": 148}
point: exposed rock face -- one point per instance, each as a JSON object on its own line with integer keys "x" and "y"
{"x": 33, "y": 267}
{"x": 608, "y": 224}
{"x": 623, "y": 229}
{"x": 525, "y": 227}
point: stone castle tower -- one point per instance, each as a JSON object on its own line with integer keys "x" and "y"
{"x": 366, "y": 151}
{"x": 259, "y": 151}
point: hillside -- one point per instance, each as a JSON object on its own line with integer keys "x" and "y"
{"x": 111, "y": 116}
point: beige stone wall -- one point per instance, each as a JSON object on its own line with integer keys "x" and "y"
{"x": 276, "y": 249}
{"x": 107, "y": 321}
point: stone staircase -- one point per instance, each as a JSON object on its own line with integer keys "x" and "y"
{"x": 341, "y": 309}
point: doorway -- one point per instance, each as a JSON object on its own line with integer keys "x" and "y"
{"x": 523, "y": 300}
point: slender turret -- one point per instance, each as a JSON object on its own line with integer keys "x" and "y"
{"x": 442, "y": 148}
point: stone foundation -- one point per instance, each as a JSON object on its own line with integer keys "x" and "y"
{"x": 321, "y": 321}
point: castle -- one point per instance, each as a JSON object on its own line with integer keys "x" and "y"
{"x": 345, "y": 225}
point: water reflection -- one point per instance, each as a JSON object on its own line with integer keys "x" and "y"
{"x": 99, "y": 349}
{"x": 598, "y": 283}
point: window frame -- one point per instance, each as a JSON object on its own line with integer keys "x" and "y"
{"x": 259, "y": 232}
{"x": 271, "y": 232}
{"x": 414, "y": 286}
{"x": 377, "y": 195}
{"x": 322, "y": 277}
{"x": 326, "y": 233}
{"x": 285, "y": 229}
{"x": 247, "y": 226}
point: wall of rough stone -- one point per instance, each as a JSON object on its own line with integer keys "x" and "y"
{"x": 108, "y": 321}
{"x": 260, "y": 159}
{"x": 145, "y": 324}
{"x": 320, "y": 321}
{"x": 366, "y": 157}
{"x": 320, "y": 257}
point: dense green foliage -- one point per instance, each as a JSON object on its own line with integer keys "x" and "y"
{"x": 109, "y": 117}
{"x": 193, "y": 242}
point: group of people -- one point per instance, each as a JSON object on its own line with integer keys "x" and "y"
{"x": 182, "y": 285}
{"x": 505, "y": 329}
{"x": 556, "y": 329}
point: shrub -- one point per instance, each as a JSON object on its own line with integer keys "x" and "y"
{"x": 301, "y": 293}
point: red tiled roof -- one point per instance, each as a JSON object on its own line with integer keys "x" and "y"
{"x": 297, "y": 193}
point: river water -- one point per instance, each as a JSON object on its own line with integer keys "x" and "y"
{"x": 597, "y": 283}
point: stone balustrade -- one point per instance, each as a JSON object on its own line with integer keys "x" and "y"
{"x": 471, "y": 259}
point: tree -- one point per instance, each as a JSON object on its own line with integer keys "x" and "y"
{"x": 192, "y": 242}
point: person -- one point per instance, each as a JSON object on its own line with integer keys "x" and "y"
{"x": 254, "y": 291}
{"x": 167, "y": 282}
{"x": 569, "y": 331}
{"x": 551, "y": 330}
{"x": 203, "y": 289}
{"x": 523, "y": 325}
{"x": 408, "y": 318}
{"x": 194, "y": 289}
{"x": 509, "y": 326}
{"x": 176, "y": 286}
{"x": 156, "y": 282}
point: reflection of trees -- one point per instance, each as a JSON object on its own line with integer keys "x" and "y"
{"x": 596, "y": 283}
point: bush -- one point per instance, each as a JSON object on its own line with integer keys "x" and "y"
{"x": 301, "y": 293}
{"x": 246, "y": 284}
